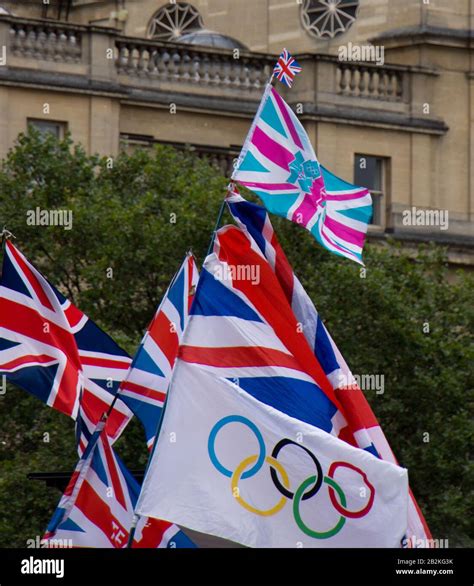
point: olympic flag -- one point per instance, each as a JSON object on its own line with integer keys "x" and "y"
{"x": 251, "y": 474}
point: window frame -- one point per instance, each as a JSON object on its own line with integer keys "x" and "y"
{"x": 174, "y": 28}
{"x": 62, "y": 125}
{"x": 324, "y": 26}
{"x": 381, "y": 195}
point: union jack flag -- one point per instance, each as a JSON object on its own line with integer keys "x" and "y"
{"x": 242, "y": 328}
{"x": 145, "y": 386}
{"x": 361, "y": 427}
{"x": 286, "y": 68}
{"x": 96, "y": 509}
{"x": 55, "y": 352}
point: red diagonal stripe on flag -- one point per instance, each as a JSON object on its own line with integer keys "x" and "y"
{"x": 165, "y": 338}
{"x": 34, "y": 359}
{"x": 238, "y": 356}
{"x": 145, "y": 391}
{"x": 32, "y": 279}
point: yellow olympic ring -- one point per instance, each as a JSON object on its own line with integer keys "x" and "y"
{"x": 238, "y": 473}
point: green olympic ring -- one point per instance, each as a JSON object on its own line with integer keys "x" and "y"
{"x": 296, "y": 509}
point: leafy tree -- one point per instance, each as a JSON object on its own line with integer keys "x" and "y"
{"x": 132, "y": 225}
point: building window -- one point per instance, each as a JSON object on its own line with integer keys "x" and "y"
{"x": 328, "y": 18}
{"x": 173, "y": 21}
{"x": 370, "y": 172}
{"x": 45, "y": 127}
{"x": 222, "y": 158}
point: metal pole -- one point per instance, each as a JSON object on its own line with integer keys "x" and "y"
{"x": 216, "y": 227}
{"x": 131, "y": 535}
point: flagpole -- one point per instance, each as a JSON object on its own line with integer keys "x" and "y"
{"x": 131, "y": 535}
{"x": 6, "y": 235}
{"x": 219, "y": 218}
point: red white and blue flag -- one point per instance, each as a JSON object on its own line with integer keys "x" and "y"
{"x": 96, "y": 510}
{"x": 361, "y": 427}
{"x": 55, "y": 352}
{"x": 278, "y": 163}
{"x": 145, "y": 386}
{"x": 286, "y": 68}
{"x": 242, "y": 328}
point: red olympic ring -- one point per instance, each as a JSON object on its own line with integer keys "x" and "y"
{"x": 339, "y": 508}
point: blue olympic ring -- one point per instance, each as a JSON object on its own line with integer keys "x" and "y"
{"x": 212, "y": 438}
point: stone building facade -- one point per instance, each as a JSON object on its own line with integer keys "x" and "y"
{"x": 386, "y": 93}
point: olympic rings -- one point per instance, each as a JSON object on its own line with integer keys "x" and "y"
{"x": 341, "y": 509}
{"x": 235, "y": 489}
{"x": 256, "y": 462}
{"x": 212, "y": 439}
{"x": 296, "y": 511}
{"x": 276, "y": 450}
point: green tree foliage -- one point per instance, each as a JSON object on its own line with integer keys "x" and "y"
{"x": 133, "y": 221}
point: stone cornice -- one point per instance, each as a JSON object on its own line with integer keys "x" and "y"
{"x": 207, "y": 103}
{"x": 62, "y": 82}
{"x": 426, "y": 34}
{"x": 380, "y": 119}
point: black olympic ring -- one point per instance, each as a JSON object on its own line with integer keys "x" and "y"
{"x": 276, "y": 450}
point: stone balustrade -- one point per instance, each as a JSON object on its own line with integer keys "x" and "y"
{"x": 47, "y": 42}
{"x": 370, "y": 81}
{"x": 181, "y": 64}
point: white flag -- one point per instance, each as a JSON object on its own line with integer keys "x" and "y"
{"x": 227, "y": 465}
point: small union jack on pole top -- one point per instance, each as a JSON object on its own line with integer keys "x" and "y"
{"x": 286, "y": 68}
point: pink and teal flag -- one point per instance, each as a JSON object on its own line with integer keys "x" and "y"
{"x": 278, "y": 163}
